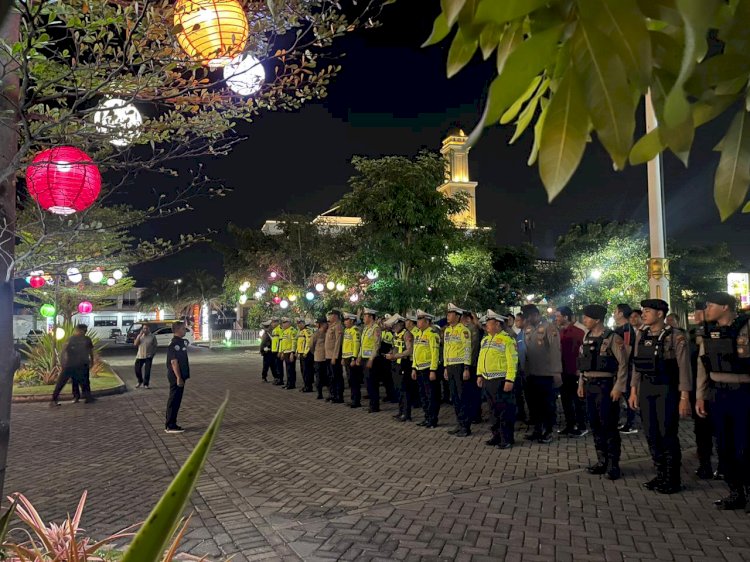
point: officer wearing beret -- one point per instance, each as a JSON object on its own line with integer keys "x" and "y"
{"x": 603, "y": 365}
{"x": 725, "y": 360}
{"x": 661, "y": 369}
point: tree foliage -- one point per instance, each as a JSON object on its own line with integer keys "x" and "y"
{"x": 571, "y": 67}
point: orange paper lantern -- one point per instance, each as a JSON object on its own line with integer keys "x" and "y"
{"x": 211, "y": 31}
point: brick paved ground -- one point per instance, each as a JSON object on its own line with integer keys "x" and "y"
{"x": 293, "y": 478}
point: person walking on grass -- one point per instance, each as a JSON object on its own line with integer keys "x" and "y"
{"x": 76, "y": 359}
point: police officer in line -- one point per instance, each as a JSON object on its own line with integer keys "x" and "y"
{"x": 496, "y": 372}
{"x": 725, "y": 361}
{"x": 321, "y": 365}
{"x": 425, "y": 368}
{"x": 277, "y": 364}
{"x": 368, "y": 352}
{"x": 411, "y": 327}
{"x": 383, "y": 365}
{"x": 265, "y": 351}
{"x": 349, "y": 354}
{"x": 660, "y": 387}
{"x": 702, "y": 426}
{"x": 457, "y": 358}
{"x": 543, "y": 366}
{"x": 400, "y": 357}
{"x": 393, "y": 325}
{"x": 286, "y": 352}
{"x": 603, "y": 365}
{"x": 334, "y": 341}
{"x": 472, "y": 324}
{"x": 303, "y": 350}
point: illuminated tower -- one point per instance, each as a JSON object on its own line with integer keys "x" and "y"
{"x": 455, "y": 150}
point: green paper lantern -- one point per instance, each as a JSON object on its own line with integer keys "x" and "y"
{"x": 47, "y": 310}
{"x": 274, "y": 289}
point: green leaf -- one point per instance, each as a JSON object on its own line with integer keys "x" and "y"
{"x": 460, "y": 53}
{"x": 440, "y": 30}
{"x": 661, "y": 11}
{"x": 624, "y": 24}
{"x": 513, "y": 110}
{"x": 524, "y": 120}
{"x": 716, "y": 70}
{"x": 498, "y": 11}
{"x": 746, "y": 208}
{"x": 608, "y": 95}
{"x": 538, "y": 126}
{"x": 733, "y": 173}
{"x": 512, "y": 37}
{"x": 451, "y": 9}
{"x": 149, "y": 543}
{"x": 489, "y": 38}
{"x": 5, "y": 521}
{"x": 564, "y": 135}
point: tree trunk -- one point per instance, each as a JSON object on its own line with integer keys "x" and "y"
{"x": 8, "y": 148}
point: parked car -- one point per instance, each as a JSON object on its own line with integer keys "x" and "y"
{"x": 34, "y": 336}
{"x": 114, "y": 333}
{"x": 164, "y": 336}
{"x": 161, "y": 329}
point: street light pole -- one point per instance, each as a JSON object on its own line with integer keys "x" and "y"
{"x": 658, "y": 264}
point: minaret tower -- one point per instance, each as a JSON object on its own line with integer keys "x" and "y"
{"x": 456, "y": 152}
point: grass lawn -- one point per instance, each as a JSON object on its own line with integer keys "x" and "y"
{"x": 106, "y": 379}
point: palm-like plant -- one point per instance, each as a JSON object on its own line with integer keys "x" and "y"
{"x": 161, "y": 293}
{"x": 201, "y": 287}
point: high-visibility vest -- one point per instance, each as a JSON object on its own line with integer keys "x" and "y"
{"x": 457, "y": 345}
{"x": 498, "y": 357}
{"x": 368, "y": 348}
{"x": 350, "y": 344}
{"x": 399, "y": 344}
{"x": 426, "y": 350}
{"x": 276, "y": 338}
{"x": 304, "y": 340}
{"x": 287, "y": 340}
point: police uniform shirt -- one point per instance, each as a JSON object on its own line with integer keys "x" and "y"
{"x": 675, "y": 347}
{"x": 543, "y": 355}
{"x": 743, "y": 352}
{"x": 615, "y": 346}
{"x": 178, "y": 350}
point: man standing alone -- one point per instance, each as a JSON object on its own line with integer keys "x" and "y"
{"x": 178, "y": 371}
{"x": 146, "y": 344}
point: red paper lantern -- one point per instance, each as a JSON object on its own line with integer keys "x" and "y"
{"x": 63, "y": 180}
{"x": 276, "y": 300}
{"x": 36, "y": 282}
{"x": 85, "y": 307}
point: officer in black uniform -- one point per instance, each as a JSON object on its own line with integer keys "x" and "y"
{"x": 604, "y": 374}
{"x": 265, "y": 351}
{"x": 725, "y": 361}
{"x": 703, "y": 426}
{"x": 661, "y": 368}
{"x": 178, "y": 371}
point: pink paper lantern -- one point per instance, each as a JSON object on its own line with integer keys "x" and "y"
{"x": 36, "y": 282}
{"x": 63, "y": 180}
{"x": 85, "y": 307}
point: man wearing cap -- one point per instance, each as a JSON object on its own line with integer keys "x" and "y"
{"x": 725, "y": 361}
{"x": 334, "y": 341}
{"x": 703, "y": 426}
{"x": 286, "y": 351}
{"x": 626, "y": 331}
{"x": 277, "y": 366}
{"x": 349, "y": 354}
{"x": 400, "y": 357}
{"x": 303, "y": 350}
{"x": 368, "y": 351}
{"x": 265, "y": 350}
{"x": 603, "y": 363}
{"x": 424, "y": 369}
{"x": 496, "y": 370}
{"x": 457, "y": 357}
{"x": 319, "y": 355}
{"x": 382, "y": 365}
{"x": 543, "y": 366}
{"x": 574, "y": 408}
{"x": 660, "y": 387}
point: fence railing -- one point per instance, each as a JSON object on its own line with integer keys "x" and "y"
{"x": 234, "y": 338}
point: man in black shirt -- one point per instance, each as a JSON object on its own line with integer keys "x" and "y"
{"x": 178, "y": 371}
{"x": 77, "y": 358}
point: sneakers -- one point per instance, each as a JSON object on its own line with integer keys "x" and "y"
{"x": 175, "y": 429}
{"x": 494, "y": 442}
{"x": 578, "y": 432}
{"x": 147, "y": 387}
{"x": 627, "y": 429}
{"x": 566, "y": 431}
{"x": 139, "y": 385}
{"x": 546, "y": 438}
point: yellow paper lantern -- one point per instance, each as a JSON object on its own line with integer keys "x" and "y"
{"x": 211, "y": 31}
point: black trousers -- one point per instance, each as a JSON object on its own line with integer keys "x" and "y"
{"x": 409, "y": 390}
{"x": 604, "y": 416}
{"x": 268, "y": 365}
{"x": 703, "y": 428}
{"x": 731, "y": 411}
{"x": 502, "y": 409}
{"x": 462, "y": 394}
{"x": 659, "y": 405}
{"x": 397, "y": 377}
{"x": 279, "y": 364}
{"x": 143, "y": 370}
{"x": 446, "y": 393}
{"x": 574, "y": 408}
{"x": 307, "y": 368}
{"x": 429, "y": 394}
{"x": 519, "y": 386}
{"x": 77, "y": 376}
{"x": 291, "y": 371}
{"x": 354, "y": 378}
{"x": 321, "y": 376}
{"x": 336, "y": 376}
{"x": 174, "y": 401}
{"x": 384, "y": 374}
{"x": 541, "y": 394}
{"x": 373, "y": 386}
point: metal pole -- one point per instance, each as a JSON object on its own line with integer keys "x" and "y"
{"x": 658, "y": 264}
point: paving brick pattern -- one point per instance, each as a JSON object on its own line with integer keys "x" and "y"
{"x": 294, "y": 478}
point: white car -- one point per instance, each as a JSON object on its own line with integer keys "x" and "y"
{"x": 164, "y": 336}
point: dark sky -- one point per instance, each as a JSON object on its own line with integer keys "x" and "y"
{"x": 392, "y": 97}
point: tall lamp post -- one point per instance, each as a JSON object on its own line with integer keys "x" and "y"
{"x": 658, "y": 264}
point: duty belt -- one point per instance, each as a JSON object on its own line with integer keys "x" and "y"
{"x": 596, "y": 380}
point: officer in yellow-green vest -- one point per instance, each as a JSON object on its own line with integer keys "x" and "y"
{"x": 411, "y": 327}
{"x": 278, "y": 363}
{"x": 368, "y": 352}
{"x": 424, "y": 368}
{"x": 496, "y": 371}
{"x": 286, "y": 351}
{"x": 304, "y": 353}
{"x": 349, "y": 355}
{"x": 400, "y": 358}
{"x": 457, "y": 358}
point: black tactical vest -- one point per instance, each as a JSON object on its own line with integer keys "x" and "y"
{"x": 649, "y": 358}
{"x": 723, "y": 352}
{"x": 591, "y": 358}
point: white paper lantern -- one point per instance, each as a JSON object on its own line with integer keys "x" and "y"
{"x": 340, "y": 287}
{"x": 119, "y": 119}
{"x": 111, "y": 281}
{"x": 59, "y": 333}
{"x": 243, "y": 299}
{"x": 117, "y": 274}
{"x": 319, "y": 287}
{"x": 284, "y": 304}
{"x": 96, "y": 276}
{"x": 244, "y": 75}
{"x": 331, "y": 285}
{"x": 227, "y": 334}
{"x": 74, "y": 276}
{"x": 354, "y": 298}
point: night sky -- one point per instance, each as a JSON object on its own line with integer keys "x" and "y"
{"x": 392, "y": 97}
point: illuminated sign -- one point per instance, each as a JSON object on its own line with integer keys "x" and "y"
{"x": 738, "y": 284}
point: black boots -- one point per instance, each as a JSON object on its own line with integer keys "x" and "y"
{"x": 735, "y": 500}
{"x": 601, "y": 466}
{"x": 613, "y": 472}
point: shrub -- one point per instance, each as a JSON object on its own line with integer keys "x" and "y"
{"x": 27, "y": 377}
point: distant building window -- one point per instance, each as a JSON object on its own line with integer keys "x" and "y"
{"x": 128, "y": 321}
{"x": 102, "y": 321}
{"x": 129, "y": 302}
